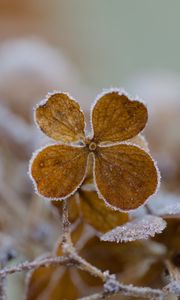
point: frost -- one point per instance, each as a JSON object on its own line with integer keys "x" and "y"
{"x": 136, "y": 230}
{"x": 172, "y": 209}
{"x": 111, "y": 285}
{"x": 173, "y": 287}
{"x": 165, "y": 204}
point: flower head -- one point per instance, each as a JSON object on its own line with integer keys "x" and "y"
{"x": 124, "y": 174}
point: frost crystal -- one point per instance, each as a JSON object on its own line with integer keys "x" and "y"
{"x": 111, "y": 286}
{"x": 173, "y": 287}
{"x": 136, "y": 230}
{"x": 172, "y": 209}
{"x": 165, "y": 204}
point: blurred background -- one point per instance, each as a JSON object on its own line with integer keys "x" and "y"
{"x": 81, "y": 47}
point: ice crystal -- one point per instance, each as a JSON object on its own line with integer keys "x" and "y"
{"x": 136, "y": 230}
{"x": 165, "y": 204}
{"x": 173, "y": 287}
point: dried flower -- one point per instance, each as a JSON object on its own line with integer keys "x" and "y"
{"x": 124, "y": 174}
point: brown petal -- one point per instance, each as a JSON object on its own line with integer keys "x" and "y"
{"x": 170, "y": 236}
{"x": 61, "y": 118}
{"x": 125, "y": 175}
{"x": 58, "y": 170}
{"x": 97, "y": 214}
{"x": 115, "y": 118}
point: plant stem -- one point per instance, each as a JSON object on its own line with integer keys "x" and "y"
{"x": 3, "y": 288}
{"x": 28, "y": 266}
{"x": 111, "y": 286}
{"x": 71, "y": 258}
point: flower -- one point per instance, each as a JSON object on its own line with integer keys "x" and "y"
{"x": 124, "y": 174}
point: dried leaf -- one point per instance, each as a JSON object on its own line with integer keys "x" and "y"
{"x": 51, "y": 282}
{"x": 125, "y": 175}
{"x": 61, "y": 118}
{"x": 136, "y": 230}
{"x": 58, "y": 170}
{"x": 153, "y": 273}
{"x": 115, "y": 118}
{"x": 128, "y": 260}
{"x": 169, "y": 210}
{"x": 170, "y": 236}
{"x": 97, "y": 214}
{"x": 92, "y": 210}
{"x": 166, "y": 205}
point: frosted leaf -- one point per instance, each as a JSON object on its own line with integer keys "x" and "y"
{"x": 165, "y": 204}
{"x": 136, "y": 230}
{"x": 172, "y": 209}
{"x": 173, "y": 287}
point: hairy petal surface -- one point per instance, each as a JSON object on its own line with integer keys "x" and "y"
{"x": 61, "y": 118}
{"x": 115, "y": 118}
{"x": 125, "y": 175}
{"x": 97, "y": 214}
{"x": 58, "y": 170}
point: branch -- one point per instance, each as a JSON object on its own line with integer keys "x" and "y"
{"x": 65, "y": 223}
{"x": 3, "y": 288}
{"x": 113, "y": 287}
{"x": 27, "y": 266}
{"x": 71, "y": 258}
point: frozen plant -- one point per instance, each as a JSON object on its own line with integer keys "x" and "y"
{"x": 95, "y": 180}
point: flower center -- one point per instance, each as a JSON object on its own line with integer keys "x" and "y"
{"x": 92, "y": 146}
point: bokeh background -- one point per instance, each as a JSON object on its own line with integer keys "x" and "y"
{"x": 81, "y": 46}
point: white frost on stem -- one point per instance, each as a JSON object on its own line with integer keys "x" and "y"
{"x": 3, "y": 295}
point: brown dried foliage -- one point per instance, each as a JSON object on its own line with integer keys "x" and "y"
{"x": 125, "y": 175}
{"x": 87, "y": 206}
{"x": 56, "y": 283}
